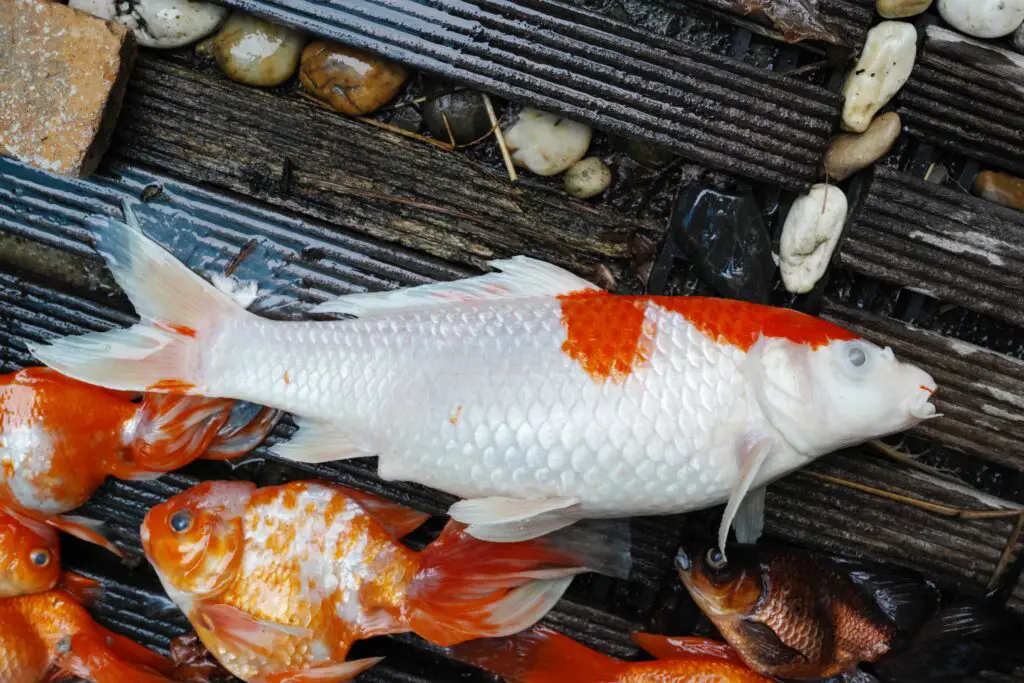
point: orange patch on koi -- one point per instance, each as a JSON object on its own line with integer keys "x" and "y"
{"x": 605, "y": 334}
{"x": 287, "y": 378}
{"x": 173, "y": 385}
{"x": 456, "y": 416}
{"x": 184, "y": 330}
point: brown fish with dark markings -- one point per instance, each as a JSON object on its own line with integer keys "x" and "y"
{"x": 796, "y": 615}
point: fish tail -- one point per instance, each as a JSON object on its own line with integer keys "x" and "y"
{"x": 538, "y": 656}
{"x": 172, "y": 431}
{"x": 178, "y": 311}
{"x": 467, "y": 588}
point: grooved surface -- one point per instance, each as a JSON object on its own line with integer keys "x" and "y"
{"x": 941, "y": 242}
{"x": 981, "y": 393}
{"x": 968, "y": 101}
{"x": 711, "y": 109}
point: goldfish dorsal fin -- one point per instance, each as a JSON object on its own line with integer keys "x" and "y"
{"x": 520, "y": 277}
{"x": 397, "y": 519}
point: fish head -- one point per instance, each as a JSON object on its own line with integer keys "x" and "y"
{"x": 195, "y": 539}
{"x": 723, "y": 589}
{"x": 29, "y": 556}
{"x": 841, "y": 393}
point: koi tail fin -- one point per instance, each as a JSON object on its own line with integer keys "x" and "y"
{"x": 178, "y": 309}
{"x": 539, "y": 656}
{"x": 172, "y": 431}
{"x": 467, "y": 588}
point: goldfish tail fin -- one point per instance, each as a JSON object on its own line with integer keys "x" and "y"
{"x": 467, "y": 588}
{"x": 89, "y": 656}
{"x": 177, "y": 308}
{"x": 84, "y": 590}
{"x": 538, "y": 656}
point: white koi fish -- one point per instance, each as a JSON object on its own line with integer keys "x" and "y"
{"x": 530, "y": 393}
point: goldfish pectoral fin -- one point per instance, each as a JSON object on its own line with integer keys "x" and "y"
{"x": 501, "y": 510}
{"x": 749, "y": 520}
{"x": 334, "y": 673}
{"x": 243, "y": 633}
{"x": 765, "y": 645}
{"x": 669, "y": 647}
{"x": 317, "y": 442}
{"x": 131, "y": 652}
{"x": 234, "y": 440}
{"x": 88, "y": 530}
{"x": 87, "y": 655}
{"x": 84, "y": 590}
{"x": 520, "y": 278}
{"x": 397, "y": 519}
{"x": 754, "y": 449}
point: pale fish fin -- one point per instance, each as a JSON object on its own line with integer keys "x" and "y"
{"x": 244, "y": 634}
{"x": 397, "y": 519}
{"x": 749, "y": 519}
{"x": 524, "y": 530}
{"x": 88, "y": 530}
{"x": 332, "y": 673}
{"x": 520, "y": 278}
{"x": 318, "y": 442}
{"x": 498, "y": 509}
{"x": 177, "y": 308}
{"x": 754, "y": 449}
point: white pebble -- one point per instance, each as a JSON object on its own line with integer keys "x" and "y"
{"x": 983, "y": 18}
{"x": 160, "y": 23}
{"x": 547, "y": 144}
{"x": 588, "y": 178}
{"x": 884, "y": 66}
{"x": 810, "y": 235}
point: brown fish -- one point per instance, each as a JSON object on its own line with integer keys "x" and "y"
{"x": 796, "y": 615}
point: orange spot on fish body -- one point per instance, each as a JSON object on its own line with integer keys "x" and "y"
{"x": 456, "y": 416}
{"x": 184, "y": 330}
{"x": 287, "y": 378}
{"x": 609, "y": 336}
{"x": 171, "y": 385}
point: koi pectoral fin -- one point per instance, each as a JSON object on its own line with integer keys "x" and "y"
{"x": 754, "y": 451}
{"x": 335, "y": 673}
{"x": 749, "y": 520}
{"x": 506, "y": 520}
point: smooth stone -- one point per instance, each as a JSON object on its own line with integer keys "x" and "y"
{"x": 983, "y": 18}
{"x": 884, "y": 66}
{"x": 724, "y": 237}
{"x": 853, "y": 152}
{"x": 546, "y": 144}
{"x": 466, "y": 114}
{"x": 407, "y": 118}
{"x": 1018, "y": 39}
{"x": 810, "y": 235}
{"x": 255, "y": 51}
{"x": 159, "y": 23}
{"x": 352, "y": 81}
{"x": 901, "y": 9}
{"x": 588, "y": 178}
{"x": 1000, "y": 188}
{"x": 647, "y": 154}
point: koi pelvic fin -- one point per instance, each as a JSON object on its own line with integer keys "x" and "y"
{"x": 539, "y": 656}
{"x": 467, "y": 588}
{"x": 177, "y": 310}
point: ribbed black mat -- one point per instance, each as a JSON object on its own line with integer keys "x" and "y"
{"x": 712, "y": 109}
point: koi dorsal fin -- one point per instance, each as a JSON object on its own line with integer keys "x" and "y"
{"x": 520, "y": 277}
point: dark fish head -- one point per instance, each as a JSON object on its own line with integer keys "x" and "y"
{"x": 720, "y": 587}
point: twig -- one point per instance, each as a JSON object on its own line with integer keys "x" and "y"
{"x": 804, "y": 69}
{"x": 1004, "y": 559}
{"x": 910, "y": 461}
{"x": 490, "y": 131}
{"x": 937, "y": 508}
{"x": 407, "y": 133}
{"x": 509, "y": 166}
{"x": 448, "y": 129}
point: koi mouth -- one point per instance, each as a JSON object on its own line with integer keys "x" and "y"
{"x": 923, "y": 408}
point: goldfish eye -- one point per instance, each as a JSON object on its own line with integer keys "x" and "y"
{"x": 715, "y": 559}
{"x": 40, "y": 558}
{"x": 181, "y": 521}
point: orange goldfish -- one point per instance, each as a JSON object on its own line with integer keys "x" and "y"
{"x": 543, "y": 656}
{"x": 279, "y": 582}
{"x": 49, "y": 636}
{"x": 29, "y": 555}
{"x": 60, "y": 438}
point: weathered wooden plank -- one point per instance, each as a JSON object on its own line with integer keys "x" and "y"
{"x": 981, "y": 392}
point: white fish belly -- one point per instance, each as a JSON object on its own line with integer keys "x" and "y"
{"x": 482, "y": 400}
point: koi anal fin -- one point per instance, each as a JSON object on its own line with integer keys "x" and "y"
{"x": 539, "y": 656}
{"x": 507, "y": 520}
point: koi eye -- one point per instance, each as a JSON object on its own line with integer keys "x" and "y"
{"x": 181, "y": 521}
{"x": 715, "y": 559}
{"x": 856, "y": 356}
{"x": 40, "y": 558}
